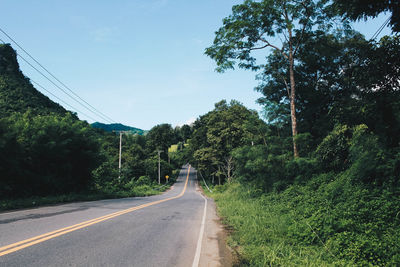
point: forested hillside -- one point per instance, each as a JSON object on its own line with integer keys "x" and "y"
{"x": 47, "y": 154}
{"x": 118, "y": 127}
{"x": 317, "y": 182}
{"x": 16, "y": 92}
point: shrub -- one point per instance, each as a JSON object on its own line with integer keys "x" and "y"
{"x": 143, "y": 180}
{"x": 368, "y": 158}
{"x": 333, "y": 152}
{"x": 305, "y": 144}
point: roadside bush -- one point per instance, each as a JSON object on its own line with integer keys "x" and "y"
{"x": 351, "y": 220}
{"x": 305, "y": 144}
{"x": 333, "y": 152}
{"x": 255, "y": 165}
{"x": 300, "y": 169}
{"x": 143, "y": 180}
{"x": 369, "y": 160}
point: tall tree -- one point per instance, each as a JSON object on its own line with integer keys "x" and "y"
{"x": 160, "y": 137}
{"x": 253, "y": 26}
{"x": 321, "y": 73}
{"x": 219, "y": 132}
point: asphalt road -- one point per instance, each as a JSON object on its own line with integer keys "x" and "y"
{"x": 158, "y": 231}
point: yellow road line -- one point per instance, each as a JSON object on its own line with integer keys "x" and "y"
{"x": 41, "y": 238}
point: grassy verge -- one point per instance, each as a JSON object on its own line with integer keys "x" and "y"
{"x": 262, "y": 227}
{"x": 134, "y": 191}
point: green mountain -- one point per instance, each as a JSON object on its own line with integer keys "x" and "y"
{"x": 17, "y": 94}
{"x": 118, "y": 127}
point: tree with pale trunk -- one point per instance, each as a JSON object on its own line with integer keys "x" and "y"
{"x": 275, "y": 25}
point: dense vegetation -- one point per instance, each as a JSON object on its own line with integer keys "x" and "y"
{"x": 17, "y": 93}
{"x": 326, "y": 193}
{"x": 337, "y": 200}
{"x": 47, "y": 154}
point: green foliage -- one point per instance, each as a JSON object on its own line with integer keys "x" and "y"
{"x": 46, "y": 151}
{"x": 262, "y": 230}
{"x": 160, "y": 137}
{"x": 251, "y": 26}
{"x": 118, "y": 127}
{"x": 180, "y": 157}
{"x": 253, "y": 22}
{"x": 333, "y": 152}
{"x": 255, "y": 165}
{"x": 52, "y": 154}
{"x": 371, "y": 164}
{"x": 326, "y": 222}
{"x": 218, "y": 133}
{"x": 305, "y": 144}
{"x": 183, "y": 133}
{"x": 17, "y": 93}
{"x": 340, "y": 207}
{"x": 258, "y": 166}
{"x": 362, "y": 9}
{"x": 139, "y": 163}
{"x": 338, "y": 203}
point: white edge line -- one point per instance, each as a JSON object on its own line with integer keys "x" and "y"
{"x": 200, "y": 240}
{"x": 205, "y": 182}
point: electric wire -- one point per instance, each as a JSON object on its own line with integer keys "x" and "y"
{"x": 91, "y": 109}
{"x": 27, "y": 62}
{"x": 376, "y": 34}
{"x": 55, "y": 96}
{"x": 62, "y": 101}
{"x": 52, "y": 75}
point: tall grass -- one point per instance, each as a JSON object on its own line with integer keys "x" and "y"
{"x": 262, "y": 227}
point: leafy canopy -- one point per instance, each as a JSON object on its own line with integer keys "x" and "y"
{"x": 253, "y": 24}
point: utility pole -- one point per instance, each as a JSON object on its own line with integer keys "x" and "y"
{"x": 159, "y": 169}
{"x": 120, "y": 154}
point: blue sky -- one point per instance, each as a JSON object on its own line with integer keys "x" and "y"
{"x": 140, "y": 62}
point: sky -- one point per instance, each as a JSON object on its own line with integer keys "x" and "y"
{"x": 139, "y": 62}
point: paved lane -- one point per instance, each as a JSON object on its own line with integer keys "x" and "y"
{"x": 160, "y": 230}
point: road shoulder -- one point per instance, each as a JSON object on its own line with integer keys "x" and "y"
{"x": 215, "y": 251}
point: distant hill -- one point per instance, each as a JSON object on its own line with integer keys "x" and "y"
{"x": 118, "y": 127}
{"x": 17, "y": 94}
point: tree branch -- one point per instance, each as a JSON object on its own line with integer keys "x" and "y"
{"x": 275, "y": 47}
{"x": 257, "y": 48}
{"x": 286, "y": 85}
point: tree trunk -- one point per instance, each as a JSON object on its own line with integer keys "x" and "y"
{"x": 292, "y": 103}
{"x": 229, "y": 168}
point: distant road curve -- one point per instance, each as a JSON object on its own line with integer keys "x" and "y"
{"x": 161, "y": 230}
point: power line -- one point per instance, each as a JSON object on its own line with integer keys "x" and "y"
{"x": 52, "y": 75}
{"x": 49, "y": 92}
{"x": 91, "y": 109}
{"x": 73, "y": 108}
{"x": 65, "y": 103}
{"x": 99, "y": 116}
{"x": 376, "y": 34}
